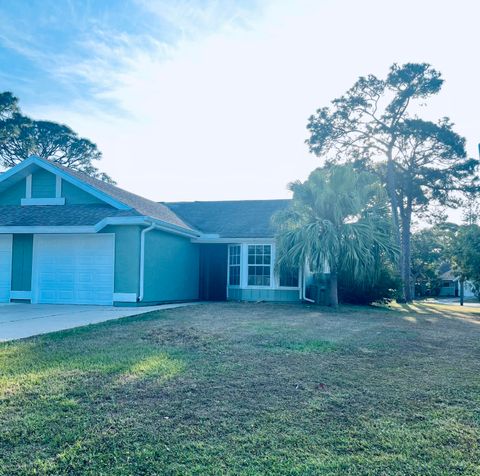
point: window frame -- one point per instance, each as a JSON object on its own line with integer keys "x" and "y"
{"x": 239, "y": 265}
{"x": 271, "y": 267}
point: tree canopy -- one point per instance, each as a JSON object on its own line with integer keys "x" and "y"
{"x": 21, "y": 137}
{"x": 421, "y": 163}
{"x": 336, "y": 220}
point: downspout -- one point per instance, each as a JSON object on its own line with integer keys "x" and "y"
{"x": 304, "y": 287}
{"x": 142, "y": 260}
{"x": 152, "y": 226}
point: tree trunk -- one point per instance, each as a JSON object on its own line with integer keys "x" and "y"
{"x": 462, "y": 291}
{"x": 405, "y": 255}
{"x": 333, "y": 298}
{"x": 392, "y": 194}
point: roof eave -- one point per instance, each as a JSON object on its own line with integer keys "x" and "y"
{"x": 145, "y": 221}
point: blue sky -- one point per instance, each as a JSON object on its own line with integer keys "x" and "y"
{"x": 46, "y": 45}
{"x": 199, "y": 99}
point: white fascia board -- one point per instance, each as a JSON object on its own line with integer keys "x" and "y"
{"x": 174, "y": 229}
{"x": 46, "y": 229}
{"x": 135, "y": 220}
{"x": 146, "y": 221}
{"x": 209, "y": 240}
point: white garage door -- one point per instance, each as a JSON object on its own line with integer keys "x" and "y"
{"x": 73, "y": 269}
{"x": 5, "y": 267}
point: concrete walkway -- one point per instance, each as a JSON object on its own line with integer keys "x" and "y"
{"x": 24, "y": 320}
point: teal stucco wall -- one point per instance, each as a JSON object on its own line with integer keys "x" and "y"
{"x": 127, "y": 258}
{"x": 76, "y": 196}
{"x": 171, "y": 268}
{"x": 22, "y": 253}
{"x": 14, "y": 194}
{"x": 43, "y": 184}
{"x": 278, "y": 295}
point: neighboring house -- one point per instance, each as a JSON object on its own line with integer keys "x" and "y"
{"x": 66, "y": 238}
{"x": 450, "y": 286}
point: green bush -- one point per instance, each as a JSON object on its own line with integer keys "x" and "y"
{"x": 381, "y": 289}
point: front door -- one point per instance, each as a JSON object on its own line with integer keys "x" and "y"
{"x": 213, "y": 272}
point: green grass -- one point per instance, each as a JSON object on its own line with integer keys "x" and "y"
{"x": 247, "y": 389}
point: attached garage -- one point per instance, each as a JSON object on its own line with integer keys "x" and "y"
{"x": 5, "y": 267}
{"x": 73, "y": 269}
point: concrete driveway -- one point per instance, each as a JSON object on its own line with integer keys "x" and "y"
{"x": 455, "y": 301}
{"x": 24, "y": 320}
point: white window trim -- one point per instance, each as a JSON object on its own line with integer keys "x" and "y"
{"x": 42, "y": 201}
{"x": 28, "y": 186}
{"x": 234, "y": 286}
{"x": 245, "y": 264}
{"x": 274, "y": 276}
{"x": 58, "y": 186}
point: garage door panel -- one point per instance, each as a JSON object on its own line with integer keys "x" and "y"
{"x": 5, "y": 267}
{"x": 74, "y": 269}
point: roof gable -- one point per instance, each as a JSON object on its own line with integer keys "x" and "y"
{"x": 107, "y": 193}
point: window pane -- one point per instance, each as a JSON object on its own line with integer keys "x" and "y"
{"x": 259, "y": 265}
{"x": 234, "y": 265}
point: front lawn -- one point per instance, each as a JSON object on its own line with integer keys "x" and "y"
{"x": 247, "y": 389}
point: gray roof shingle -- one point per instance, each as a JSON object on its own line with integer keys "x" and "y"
{"x": 142, "y": 205}
{"x": 231, "y": 219}
{"x": 66, "y": 215}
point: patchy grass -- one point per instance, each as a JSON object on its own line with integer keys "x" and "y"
{"x": 248, "y": 389}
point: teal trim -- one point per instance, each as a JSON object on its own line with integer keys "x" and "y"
{"x": 13, "y": 194}
{"x": 76, "y": 196}
{"x": 278, "y": 295}
{"x": 171, "y": 268}
{"x": 22, "y": 262}
{"x": 127, "y": 258}
{"x": 43, "y": 184}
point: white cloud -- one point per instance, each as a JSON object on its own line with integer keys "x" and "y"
{"x": 222, "y": 115}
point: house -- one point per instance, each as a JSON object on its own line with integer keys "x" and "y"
{"x": 67, "y": 238}
{"x": 450, "y": 286}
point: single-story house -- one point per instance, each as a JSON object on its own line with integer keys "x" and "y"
{"x": 451, "y": 286}
{"x": 67, "y": 238}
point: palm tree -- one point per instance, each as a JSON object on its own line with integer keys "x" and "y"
{"x": 338, "y": 221}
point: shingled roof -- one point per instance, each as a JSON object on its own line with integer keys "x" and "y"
{"x": 231, "y": 219}
{"x": 142, "y": 205}
{"x": 66, "y": 215}
{"x": 227, "y": 219}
